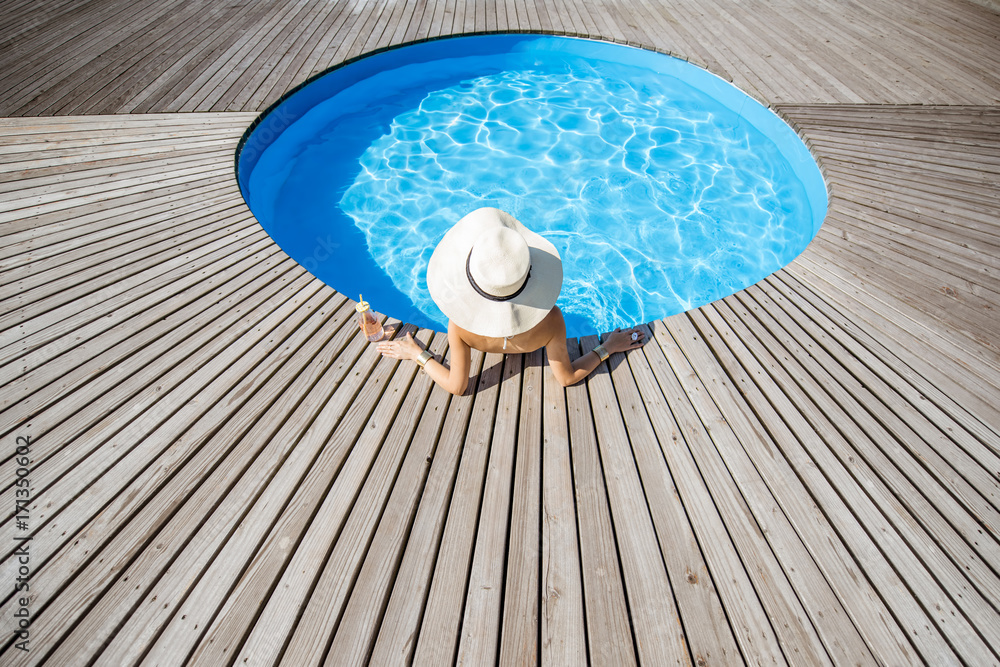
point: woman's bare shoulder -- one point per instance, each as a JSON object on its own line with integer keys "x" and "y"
{"x": 456, "y": 332}
{"x": 554, "y": 322}
{"x": 552, "y": 327}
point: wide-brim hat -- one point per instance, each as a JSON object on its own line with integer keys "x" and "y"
{"x": 493, "y": 276}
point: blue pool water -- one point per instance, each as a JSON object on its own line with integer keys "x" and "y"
{"x": 662, "y": 186}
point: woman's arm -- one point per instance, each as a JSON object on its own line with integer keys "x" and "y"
{"x": 568, "y": 373}
{"x": 453, "y": 379}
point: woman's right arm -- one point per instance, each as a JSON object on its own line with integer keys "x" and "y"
{"x": 454, "y": 379}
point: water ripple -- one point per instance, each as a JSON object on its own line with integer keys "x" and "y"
{"x": 656, "y": 202}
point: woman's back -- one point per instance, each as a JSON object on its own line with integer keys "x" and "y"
{"x": 529, "y": 341}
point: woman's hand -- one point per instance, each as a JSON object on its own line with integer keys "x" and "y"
{"x": 623, "y": 341}
{"x": 404, "y": 348}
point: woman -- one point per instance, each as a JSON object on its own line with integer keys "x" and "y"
{"x": 497, "y": 281}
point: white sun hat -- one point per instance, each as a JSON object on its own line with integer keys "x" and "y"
{"x": 493, "y": 276}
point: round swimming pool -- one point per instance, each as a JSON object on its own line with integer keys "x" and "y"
{"x": 662, "y": 186}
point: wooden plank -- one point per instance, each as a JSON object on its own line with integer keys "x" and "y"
{"x": 929, "y": 146}
{"x": 421, "y": 22}
{"x": 255, "y": 446}
{"x": 925, "y": 288}
{"x": 320, "y": 57}
{"x": 960, "y": 244}
{"x": 124, "y": 42}
{"x": 76, "y": 127}
{"x": 95, "y": 182}
{"x": 45, "y": 199}
{"x": 77, "y": 269}
{"x": 710, "y": 393}
{"x": 156, "y": 519}
{"x": 834, "y": 558}
{"x": 293, "y": 67}
{"x": 545, "y": 20}
{"x": 44, "y": 335}
{"x": 906, "y": 456}
{"x": 360, "y": 621}
{"x": 54, "y": 62}
{"x": 912, "y": 506}
{"x": 978, "y": 275}
{"x": 312, "y": 599}
{"x": 57, "y": 33}
{"x": 718, "y": 518}
{"x": 145, "y": 52}
{"x": 87, "y": 397}
{"x": 359, "y": 32}
{"x": 609, "y": 632}
{"x": 786, "y": 81}
{"x": 33, "y": 224}
{"x": 795, "y": 39}
{"x": 892, "y": 367}
{"x": 146, "y": 439}
{"x": 982, "y": 240}
{"x": 258, "y": 501}
{"x": 672, "y": 34}
{"x": 963, "y": 159}
{"x": 119, "y": 462}
{"x": 272, "y": 59}
{"x": 932, "y": 646}
{"x": 188, "y": 92}
{"x": 973, "y": 215}
{"x": 64, "y": 201}
{"x": 55, "y": 256}
{"x": 956, "y": 533}
{"x": 167, "y": 91}
{"x": 22, "y": 19}
{"x": 900, "y": 322}
{"x": 850, "y": 42}
{"x": 69, "y": 136}
{"x": 480, "y": 632}
{"x": 465, "y": 17}
{"x": 89, "y": 313}
{"x": 125, "y": 92}
{"x": 211, "y": 95}
{"x": 42, "y": 189}
{"x": 889, "y": 378}
{"x": 510, "y": 11}
{"x": 519, "y": 639}
{"x": 401, "y": 620}
{"x": 446, "y": 25}
{"x": 956, "y": 67}
{"x": 437, "y": 640}
{"x": 321, "y": 498}
{"x": 527, "y": 15}
{"x": 53, "y": 165}
{"x": 563, "y": 635}
{"x": 651, "y": 430}
{"x": 708, "y": 35}
{"x": 403, "y": 20}
{"x": 57, "y": 237}
{"x": 652, "y": 609}
{"x": 918, "y": 427}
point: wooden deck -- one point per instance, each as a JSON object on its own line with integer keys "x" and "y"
{"x": 222, "y": 472}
